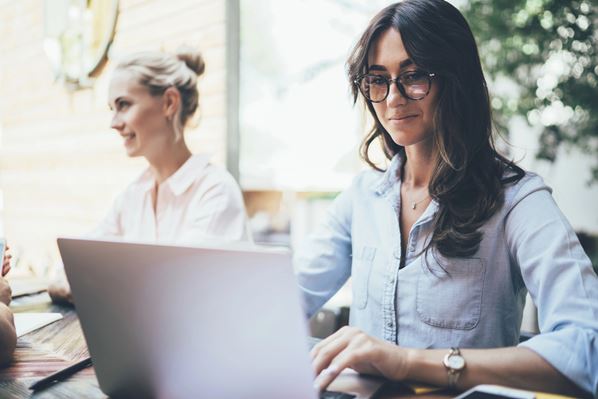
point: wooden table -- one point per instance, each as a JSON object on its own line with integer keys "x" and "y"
{"x": 60, "y": 344}
{"x": 47, "y": 350}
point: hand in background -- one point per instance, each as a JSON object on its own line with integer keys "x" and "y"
{"x": 6, "y": 262}
{"x": 5, "y": 292}
{"x": 8, "y": 337}
{"x": 59, "y": 289}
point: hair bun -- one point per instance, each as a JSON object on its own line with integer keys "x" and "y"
{"x": 192, "y": 58}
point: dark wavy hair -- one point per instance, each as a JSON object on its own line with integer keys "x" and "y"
{"x": 469, "y": 174}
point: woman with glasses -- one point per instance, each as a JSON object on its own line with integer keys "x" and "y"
{"x": 443, "y": 244}
{"x": 181, "y": 197}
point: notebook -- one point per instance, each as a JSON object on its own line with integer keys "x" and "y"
{"x": 178, "y": 322}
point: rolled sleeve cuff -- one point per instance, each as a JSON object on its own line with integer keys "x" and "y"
{"x": 572, "y": 352}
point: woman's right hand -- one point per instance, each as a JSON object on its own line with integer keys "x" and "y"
{"x": 349, "y": 347}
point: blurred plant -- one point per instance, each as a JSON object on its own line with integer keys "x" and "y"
{"x": 589, "y": 243}
{"x": 549, "y": 49}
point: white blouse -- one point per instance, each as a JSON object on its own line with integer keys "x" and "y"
{"x": 200, "y": 202}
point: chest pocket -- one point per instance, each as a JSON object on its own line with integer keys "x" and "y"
{"x": 363, "y": 259}
{"x": 449, "y": 293}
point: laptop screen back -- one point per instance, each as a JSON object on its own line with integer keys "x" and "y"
{"x": 174, "y": 322}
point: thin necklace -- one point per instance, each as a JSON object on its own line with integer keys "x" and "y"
{"x": 414, "y": 204}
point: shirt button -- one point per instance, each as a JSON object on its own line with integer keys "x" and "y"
{"x": 389, "y": 324}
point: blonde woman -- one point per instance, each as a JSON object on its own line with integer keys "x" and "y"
{"x": 181, "y": 197}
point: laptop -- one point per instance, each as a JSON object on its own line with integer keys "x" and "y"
{"x": 186, "y": 322}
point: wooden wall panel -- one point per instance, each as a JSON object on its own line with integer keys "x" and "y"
{"x": 60, "y": 163}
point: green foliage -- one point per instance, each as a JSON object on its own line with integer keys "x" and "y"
{"x": 549, "y": 48}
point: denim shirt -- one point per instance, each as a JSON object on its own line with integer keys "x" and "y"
{"x": 473, "y": 302}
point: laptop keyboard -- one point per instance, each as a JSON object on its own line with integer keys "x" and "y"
{"x": 336, "y": 395}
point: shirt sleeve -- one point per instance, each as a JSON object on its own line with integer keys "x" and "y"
{"x": 563, "y": 286}
{"x": 323, "y": 262}
{"x": 110, "y": 226}
{"x": 218, "y": 214}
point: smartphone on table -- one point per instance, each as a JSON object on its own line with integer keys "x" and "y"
{"x": 495, "y": 392}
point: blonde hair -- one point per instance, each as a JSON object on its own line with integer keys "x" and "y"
{"x": 158, "y": 71}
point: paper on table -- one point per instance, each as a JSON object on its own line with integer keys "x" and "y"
{"x": 27, "y": 322}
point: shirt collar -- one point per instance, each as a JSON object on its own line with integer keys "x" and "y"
{"x": 391, "y": 176}
{"x": 180, "y": 180}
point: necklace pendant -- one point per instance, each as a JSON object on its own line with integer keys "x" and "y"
{"x": 413, "y": 205}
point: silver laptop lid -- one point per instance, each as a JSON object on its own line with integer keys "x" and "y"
{"x": 179, "y": 322}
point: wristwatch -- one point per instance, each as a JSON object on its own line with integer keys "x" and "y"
{"x": 454, "y": 363}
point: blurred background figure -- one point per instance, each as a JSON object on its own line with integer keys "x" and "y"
{"x": 181, "y": 198}
{"x": 8, "y": 337}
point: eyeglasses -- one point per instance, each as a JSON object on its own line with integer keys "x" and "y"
{"x": 414, "y": 85}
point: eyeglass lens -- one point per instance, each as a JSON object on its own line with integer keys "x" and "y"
{"x": 416, "y": 86}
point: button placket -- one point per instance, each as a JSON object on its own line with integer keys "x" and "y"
{"x": 413, "y": 239}
{"x": 389, "y": 325}
{"x": 160, "y": 208}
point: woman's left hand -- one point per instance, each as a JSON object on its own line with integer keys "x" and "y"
{"x": 352, "y": 348}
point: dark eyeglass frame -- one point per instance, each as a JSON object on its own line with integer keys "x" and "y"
{"x": 397, "y": 81}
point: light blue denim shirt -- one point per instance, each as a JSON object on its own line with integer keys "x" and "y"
{"x": 474, "y": 302}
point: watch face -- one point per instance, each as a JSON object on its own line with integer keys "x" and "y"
{"x": 456, "y": 362}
